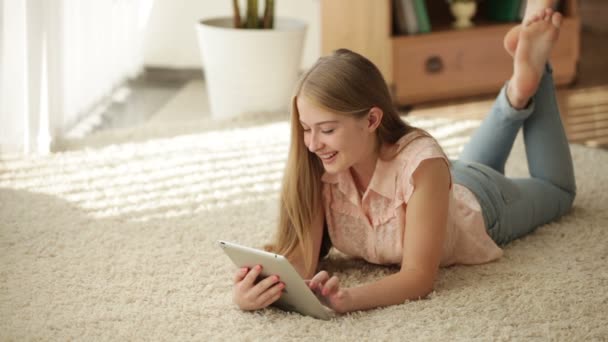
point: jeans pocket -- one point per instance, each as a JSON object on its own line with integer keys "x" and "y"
{"x": 498, "y": 183}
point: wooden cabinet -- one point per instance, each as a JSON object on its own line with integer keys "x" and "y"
{"x": 444, "y": 64}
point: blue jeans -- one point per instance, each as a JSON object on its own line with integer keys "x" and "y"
{"x": 514, "y": 207}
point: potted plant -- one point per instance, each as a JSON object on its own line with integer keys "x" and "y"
{"x": 250, "y": 62}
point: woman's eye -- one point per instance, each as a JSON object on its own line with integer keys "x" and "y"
{"x": 329, "y": 131}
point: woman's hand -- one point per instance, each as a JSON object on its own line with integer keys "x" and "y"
{"x": 329, "y": 292}
{"x": 248, "y": 295}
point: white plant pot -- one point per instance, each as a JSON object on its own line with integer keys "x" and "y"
{"x": 250, "y": 70}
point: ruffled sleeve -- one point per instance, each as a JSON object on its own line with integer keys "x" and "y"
{"x": 412, "y": 155}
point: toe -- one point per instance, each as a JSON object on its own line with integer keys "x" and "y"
{"x": 532, "y": 20}
{"x": 541, "y": 12}
{"x": 556, "y": 19}
{"x": 510, "y": 41}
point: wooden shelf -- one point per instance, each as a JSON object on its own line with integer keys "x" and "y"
{"x": 445, "y": 63}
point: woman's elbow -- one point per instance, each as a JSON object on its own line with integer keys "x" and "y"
{"x": 424, "y": 291}
{"x": 421, "y": 285}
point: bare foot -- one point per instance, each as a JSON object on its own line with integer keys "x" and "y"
{"x": 536, "y": 40}
{"x": 532, "y": 9}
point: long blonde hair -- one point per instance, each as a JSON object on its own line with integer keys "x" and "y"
{"x": 345, "y": 83}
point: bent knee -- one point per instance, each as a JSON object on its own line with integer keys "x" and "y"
{"x": 567, "y": 201}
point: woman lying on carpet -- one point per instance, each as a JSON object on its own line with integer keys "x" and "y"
{"x": 364, "y": 181}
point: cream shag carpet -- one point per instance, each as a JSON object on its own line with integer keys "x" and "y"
{"x": 117, "y": 241}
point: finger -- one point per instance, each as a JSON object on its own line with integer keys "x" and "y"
{"x": 253, "y": 275}
{"x": 240, "y": 274}
{"x": 309, "y": 283}
{"x": 331, "y": 286}
{"x": 319, "y": 279}
{"x": 272, "y": 295}
{"x": 264, "y": 285}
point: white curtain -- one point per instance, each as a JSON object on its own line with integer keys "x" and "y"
{"x": 58, "y": 58}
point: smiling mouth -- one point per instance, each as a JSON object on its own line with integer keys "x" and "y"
{"x": 327, "y": 157}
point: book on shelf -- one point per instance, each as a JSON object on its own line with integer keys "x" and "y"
{"x": 503, "y": 10}
{"x": 405, "y": 17}
{"x": 522, "y": 9}
{"x": 424, "y": 23}
{"x": 398, "y": 18}
{"x": 410, "y": 17}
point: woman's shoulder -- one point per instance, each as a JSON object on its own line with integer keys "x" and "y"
{"x": 411, "y": 150}
{"x": 410, "y": 146}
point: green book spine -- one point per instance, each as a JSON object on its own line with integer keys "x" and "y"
{"x": 422, "y": 16}
{"x": 503, "y": 10}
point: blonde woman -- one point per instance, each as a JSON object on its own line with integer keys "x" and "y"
{"x": 361, "y": 179}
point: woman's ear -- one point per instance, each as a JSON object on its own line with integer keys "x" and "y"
{"x": 374, "y": 118}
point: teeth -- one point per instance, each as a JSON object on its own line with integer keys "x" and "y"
{"x": 328, "y": 156}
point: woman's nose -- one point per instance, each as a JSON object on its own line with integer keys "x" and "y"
{"x": 314, "y": 144}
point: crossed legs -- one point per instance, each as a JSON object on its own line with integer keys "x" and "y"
{"x": 527, "y": 100}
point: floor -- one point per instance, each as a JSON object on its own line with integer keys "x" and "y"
{"x": 142, "y": 98}
{"x": 167, "y": 95}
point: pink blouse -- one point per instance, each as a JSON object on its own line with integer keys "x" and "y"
{"x": 372, "y": 226}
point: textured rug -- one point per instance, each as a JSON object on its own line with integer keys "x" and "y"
{"x": 114, "y": 238}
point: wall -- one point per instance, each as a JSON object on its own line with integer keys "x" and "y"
{"x": 171, "y": 40}
{"x": 593, "y": 15}
{"x": 13, "y": 81}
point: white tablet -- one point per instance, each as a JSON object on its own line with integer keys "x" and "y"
{"x": 296, "y": 296}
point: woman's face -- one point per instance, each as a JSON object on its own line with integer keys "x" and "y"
{"x": 339, "y": 141}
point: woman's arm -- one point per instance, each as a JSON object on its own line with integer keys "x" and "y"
{"x": 425, "y": 230}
